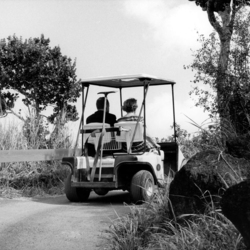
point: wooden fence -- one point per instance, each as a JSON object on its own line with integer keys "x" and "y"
{"x": 35, "y": 155}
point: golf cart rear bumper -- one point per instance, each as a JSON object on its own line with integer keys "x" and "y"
{"x": 110, "y": 185}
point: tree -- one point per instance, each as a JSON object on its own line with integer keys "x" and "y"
{"x": 42, "y": 76}
{"x": 236, "y": 92}
{"x": 221, "y": 15}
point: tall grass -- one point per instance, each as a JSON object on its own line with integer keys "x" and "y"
{"x": 11, "y": 136}
{"x": 148, "y": 227}
{"x": 29, "y": 178}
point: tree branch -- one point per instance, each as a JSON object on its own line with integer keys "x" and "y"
{"x": 235, "y": 9}
{"x": 18, "y": 116}
{"x": 211, "y": 17}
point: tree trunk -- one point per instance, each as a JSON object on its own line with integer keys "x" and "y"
{"x": 222, "y": 78}
{"x": 57, "y": 134}
{"x": 224, "y": 28}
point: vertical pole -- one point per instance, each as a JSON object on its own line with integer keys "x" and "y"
{"x": 121, "y": 101}
{"x": 144, "y": 110}
{"x": 83, "y": 107}
{"x": 172, "y": 85}
{"x": 82, "y": 119}
{"x": 103, "y": 131}
{"x": 143, "y": 103}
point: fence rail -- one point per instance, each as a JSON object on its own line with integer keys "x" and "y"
{"x": 35, "y": 155}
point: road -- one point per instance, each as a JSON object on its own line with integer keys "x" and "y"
{"x": 53, "y": 223}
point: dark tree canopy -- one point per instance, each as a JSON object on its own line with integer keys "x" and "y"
{"x": 219, "y": 5}
{"x": 40, "y": 73}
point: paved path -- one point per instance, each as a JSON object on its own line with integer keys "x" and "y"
{"x": 54, "y": 223}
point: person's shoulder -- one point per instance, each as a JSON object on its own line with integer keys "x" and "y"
{"x": 112, "y": 115}
{"x": 90, "y": 117}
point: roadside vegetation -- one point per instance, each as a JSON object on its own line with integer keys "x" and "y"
{"x": 29, "y": 178}
{"x": 151, "y": 226}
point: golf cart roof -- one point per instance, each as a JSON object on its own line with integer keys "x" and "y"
{"x": 125, "y": 81}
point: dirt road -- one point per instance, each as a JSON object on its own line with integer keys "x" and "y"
{"x": 54, "y": 223}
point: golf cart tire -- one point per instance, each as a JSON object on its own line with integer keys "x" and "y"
{"x": 83, "y": 194}
{"x": 142, "y": 187}
{"x": 75, "y": 194}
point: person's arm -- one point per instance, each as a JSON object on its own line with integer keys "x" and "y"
{"x": 152, "y": 141}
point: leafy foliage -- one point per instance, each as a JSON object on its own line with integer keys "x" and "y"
{"x": 219, "y": 5}
{"x": 236, "y": 91}
{"x": 40, "y": 73}
{"x": 43, "y": 77}
{"x": 222, "y": 17}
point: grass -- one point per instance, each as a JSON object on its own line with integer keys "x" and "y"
{"x": 148, "y": 227}
{"x": 27, "y": 178}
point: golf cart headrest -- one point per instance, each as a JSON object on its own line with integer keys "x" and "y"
{"x": 92, "y": 132}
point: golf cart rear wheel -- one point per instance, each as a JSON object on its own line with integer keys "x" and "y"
{"x": 75, "y": 194}
{"x": 142, "y": 186}
{"x": 83, "y": 194}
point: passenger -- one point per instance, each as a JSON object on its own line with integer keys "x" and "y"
{"x": 130, "y": 106}
{"x": 98, "y": 115}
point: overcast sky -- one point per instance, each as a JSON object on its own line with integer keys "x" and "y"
{"x": 113, "y": 37}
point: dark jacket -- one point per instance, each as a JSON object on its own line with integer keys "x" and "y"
{"x": 98, "y": 117}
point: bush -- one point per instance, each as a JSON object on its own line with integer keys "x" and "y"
{"x": 29, "y": 178}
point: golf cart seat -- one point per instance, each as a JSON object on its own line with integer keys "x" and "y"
{"x": 127, "y": 132}
{"x": 109, "y": 142}
{"x": 95, "y": 139}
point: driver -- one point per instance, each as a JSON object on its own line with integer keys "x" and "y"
{"x": 98, "y": 115}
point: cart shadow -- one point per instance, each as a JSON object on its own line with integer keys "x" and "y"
{"x": 112, "y": 198}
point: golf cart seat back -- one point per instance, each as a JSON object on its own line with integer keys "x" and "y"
{"x": 109, "y": 142}
{"x": 127, "y": 132}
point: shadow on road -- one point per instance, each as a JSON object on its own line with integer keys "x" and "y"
{"x": 112, "y": 198}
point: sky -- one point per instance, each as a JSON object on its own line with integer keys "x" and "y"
{"x": 117, "y": 37}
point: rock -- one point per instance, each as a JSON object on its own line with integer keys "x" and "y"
{"x": 204, "y": 178}
{"x": 235, "y": 204}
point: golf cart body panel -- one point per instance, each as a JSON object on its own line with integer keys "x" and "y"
{"x": 114, "y": 168}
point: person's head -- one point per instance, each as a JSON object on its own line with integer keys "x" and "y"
{"x": 100, "y": 104}
{"x": 130, "y": 105}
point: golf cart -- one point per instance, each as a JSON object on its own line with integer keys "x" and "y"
{"x": 110, "y": 167}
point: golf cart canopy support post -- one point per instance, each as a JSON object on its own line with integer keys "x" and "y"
{"x": 121, "y": 101}
{"x": 173, "y": 112}
{"x": 84, "y": 101}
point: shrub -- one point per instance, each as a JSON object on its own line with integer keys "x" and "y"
{"x": 29, "y": 178}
